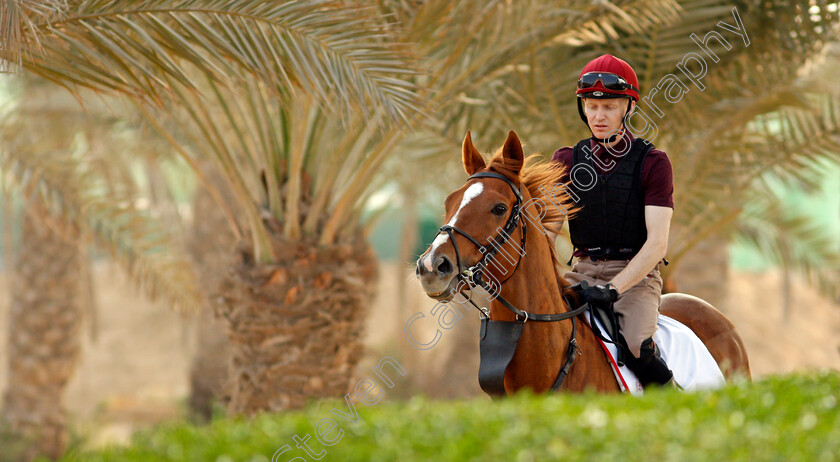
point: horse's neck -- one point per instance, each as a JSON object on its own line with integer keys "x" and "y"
{"x": 534, "y": 271}
{"x": 535, "y": 287}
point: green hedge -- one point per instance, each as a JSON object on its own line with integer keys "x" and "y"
{"x": 784, "y": 418}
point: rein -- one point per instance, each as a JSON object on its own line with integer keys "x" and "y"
{"x": 499, "y": 339}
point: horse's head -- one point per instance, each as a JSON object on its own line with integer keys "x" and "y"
{"x": 475, "y": 213}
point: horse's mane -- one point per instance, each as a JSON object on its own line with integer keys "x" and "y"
{"x": 543, "y": 181}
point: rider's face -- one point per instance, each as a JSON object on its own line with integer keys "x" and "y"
{"x": 604, "y": 115}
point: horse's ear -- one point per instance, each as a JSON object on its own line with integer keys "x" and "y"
{"x": 512, "y": 152}
{"x": 473, "y": 161}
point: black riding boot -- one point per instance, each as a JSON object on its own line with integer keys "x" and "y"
{"x": 649, "y": 366}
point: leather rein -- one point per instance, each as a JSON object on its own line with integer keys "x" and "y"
{"x": 473, "y": 276}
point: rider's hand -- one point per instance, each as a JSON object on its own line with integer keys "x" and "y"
{"x": 600, "y": 295}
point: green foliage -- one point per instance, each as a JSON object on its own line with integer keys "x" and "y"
{"x": 783, "y": 418}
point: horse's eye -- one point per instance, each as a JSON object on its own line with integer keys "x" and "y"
{"x": 499, "y": 209}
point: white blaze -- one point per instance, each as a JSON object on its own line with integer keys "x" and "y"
{"x": 471, "y": 193}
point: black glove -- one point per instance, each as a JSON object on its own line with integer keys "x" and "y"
{"x": 596, "y": 295}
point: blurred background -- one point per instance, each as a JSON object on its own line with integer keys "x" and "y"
{"x": 216, "y": 210}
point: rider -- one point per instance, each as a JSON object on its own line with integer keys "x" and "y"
{"x": 625, "y": 188}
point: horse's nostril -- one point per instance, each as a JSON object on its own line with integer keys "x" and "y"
{"x": 444, "y": 266}
{"x": 421, "y": 268}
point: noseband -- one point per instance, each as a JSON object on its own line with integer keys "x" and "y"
{"x": 499, "y": 339}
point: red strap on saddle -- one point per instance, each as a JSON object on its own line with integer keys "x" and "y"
{"x": 614, "y": 365}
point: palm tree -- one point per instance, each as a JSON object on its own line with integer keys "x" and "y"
{"x": 210, "y": 245}
{"x": 153, "y": 51}
{"x": 72, "y": 194}
{"x": 44, "y": 344}
{"x": 772, "y": 123}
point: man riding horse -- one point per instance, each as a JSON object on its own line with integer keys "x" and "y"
{"x": 624, "y": 187}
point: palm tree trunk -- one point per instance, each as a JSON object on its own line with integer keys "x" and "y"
{"x": 408, "y": 243}
{"x": 209, "y": 366}
{"x": 296, "y": 326}
{"x": 211, "y": 242}
{"x": 44, "y": 338}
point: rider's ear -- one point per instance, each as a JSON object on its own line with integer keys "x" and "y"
{"x": 512, "y": 152}
{"x": 473, "y": 161}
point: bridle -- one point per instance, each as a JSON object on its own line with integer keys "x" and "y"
{"x": 491, "y": 377}
{"x": 474, "y": 272}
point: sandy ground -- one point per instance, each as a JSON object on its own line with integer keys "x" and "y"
{"x": 134, "y": 372}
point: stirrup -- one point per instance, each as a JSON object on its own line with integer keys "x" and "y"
{"x": 673, "y": 384}
{"x": 670, "y": 384}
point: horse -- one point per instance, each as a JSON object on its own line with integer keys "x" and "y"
{"x": 514, "y": 201}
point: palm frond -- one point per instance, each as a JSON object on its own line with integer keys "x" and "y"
{"x": 791, "y": 239}
{"x": 717, "y": 163}
{"x": 141, "y": 48}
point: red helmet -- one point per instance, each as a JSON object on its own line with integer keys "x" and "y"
{"x": 607, "y": 77}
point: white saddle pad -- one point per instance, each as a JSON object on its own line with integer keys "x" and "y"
{"x": 693, "y": 366}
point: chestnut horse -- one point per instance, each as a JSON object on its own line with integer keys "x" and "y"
{"x": 483, "y": 213}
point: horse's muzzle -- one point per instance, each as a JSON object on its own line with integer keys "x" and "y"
{"x": 438, "y": 281}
